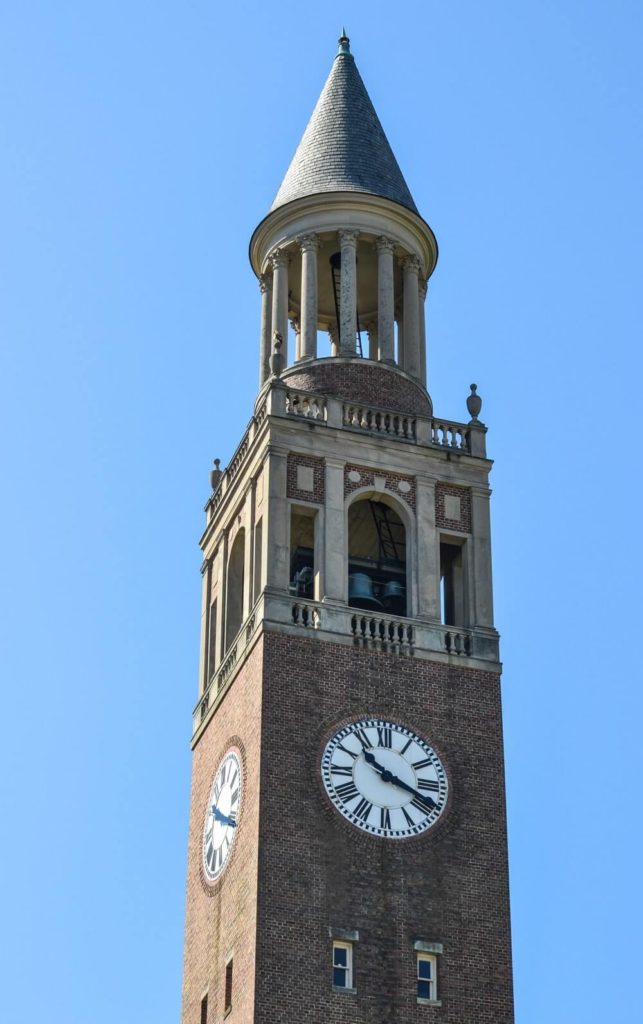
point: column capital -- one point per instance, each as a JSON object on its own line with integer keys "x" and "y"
{"x": 265, "y": 283}
{"x": 348, "y": 237}
{"x": 411, "y": 264}
{"x": 423, "y": 285}
{"x": 384, "y": 245}
{"x": 278, "y": 258}
{"x": 309, "y": 242}
{"x": 294, "y": 323}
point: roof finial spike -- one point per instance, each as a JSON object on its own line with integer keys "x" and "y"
{"x": 344, "y": 45}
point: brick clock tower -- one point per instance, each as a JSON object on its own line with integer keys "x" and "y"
{"x": 347, "y": 849}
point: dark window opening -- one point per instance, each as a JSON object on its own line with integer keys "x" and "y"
{"x": 452, "y": 584}
{"x": 228, "y": 987}
{"x": 376, "y": 558}
{"x": 235, "y": 589}
{"x": 302, "y": 554}
{"x": 204, "y": 1010}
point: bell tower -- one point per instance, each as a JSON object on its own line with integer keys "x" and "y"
{"x": 347, "y": 851}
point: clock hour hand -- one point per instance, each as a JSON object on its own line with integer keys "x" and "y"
{"x": 388, "y": 776}
{"x": 223, "y": 818}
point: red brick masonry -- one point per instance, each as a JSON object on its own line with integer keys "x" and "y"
{"x": 314, "y": 872}
{"x": 357, "y": 381}
{"x": 463, "y": 524}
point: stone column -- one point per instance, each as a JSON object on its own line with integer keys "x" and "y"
{"x": 373, "y": 340}
{"x": 428, "y": 551}
{"x": 309, "y": 245}
{"x": 385, "y": 298}
{"x": 279, "y": 261}
{"x": 248, "y": 553}
{"x": 294, "y": 323}
{"x": 206, "y": 572}
{"x": 411, "y": 269}
{"x": 265, "y": 284}
{"x": 423, "y": 286}
{"x": 222, "y": 567}
{"x": 335, "y": 569}
{"x": 275, "y": 555}
{"x": 348, "y": 298}
{"x": 479, "y": 560}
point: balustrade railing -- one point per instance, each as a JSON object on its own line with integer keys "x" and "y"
{"x": 384, "y": 633}
{"x": 306, "y": 405}
{"x": 447, "y": 434}
{"x": 378, "y": 421}
{"x": 234, "y": 656}
{"x": 457, "y": 641}
{"x": 307, "y": 615}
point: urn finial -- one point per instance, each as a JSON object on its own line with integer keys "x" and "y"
{"x": 215, "y": 475}
{"x": 474, "y": 404}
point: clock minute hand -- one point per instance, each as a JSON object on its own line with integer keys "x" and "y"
{"x": 388, "y": 776}
{"x": 427, "y": 800}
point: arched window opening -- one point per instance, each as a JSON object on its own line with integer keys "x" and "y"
{"x": 234, "y": 594}
{"x": 376, "y": 558}
{"x": 302, "y": 552}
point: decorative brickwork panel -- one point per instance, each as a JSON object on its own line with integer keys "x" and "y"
{"x": 356, "y": 381}
{"x": 319, "y": 875}
{"x": 453, "y": 508}
{"x": 396, "y": 483}
{"x": 306, "y": 478}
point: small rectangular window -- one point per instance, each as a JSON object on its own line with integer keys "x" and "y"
{"x": 427, "y": 977}
{"x": 228, "y": 987}
{"x": 204, "y": 1010}
{"x": 343, "y": 965}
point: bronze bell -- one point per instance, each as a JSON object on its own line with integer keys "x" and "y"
{"x": 360, "y": 591}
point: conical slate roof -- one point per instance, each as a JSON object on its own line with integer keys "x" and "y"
{"x": 344, "y": 148}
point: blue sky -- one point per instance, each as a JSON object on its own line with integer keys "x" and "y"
{"x": 141, "y": 143}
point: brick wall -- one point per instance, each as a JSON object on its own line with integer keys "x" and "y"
{"x": 316, "y": 872}
{"x": 442, "y": 521}
{"x": 318, "y": 491}
{"x": 356, "y": 381}
{"x": 221, "y": 919}
{"x": 301, "y": 869}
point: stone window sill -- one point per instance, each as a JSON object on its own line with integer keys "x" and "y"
{"x": 345, "y": 991}
{"x": 429, "y": 1002}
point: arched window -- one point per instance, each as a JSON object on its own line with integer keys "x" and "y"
{"x": 235, "y": 584}
{"x": 376, "y": 557}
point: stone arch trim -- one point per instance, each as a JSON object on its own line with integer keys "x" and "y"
{"x": 398, "y": 485}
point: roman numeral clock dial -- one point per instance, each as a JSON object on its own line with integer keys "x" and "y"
{"x": 384, "y": 778}
{"x": 222, "y": 816}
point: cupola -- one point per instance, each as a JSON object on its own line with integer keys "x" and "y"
{"x": 343, "y": 257}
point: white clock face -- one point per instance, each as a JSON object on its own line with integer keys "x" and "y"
{"x": 384, "y": 778}
{"x": 222, "y": 816}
